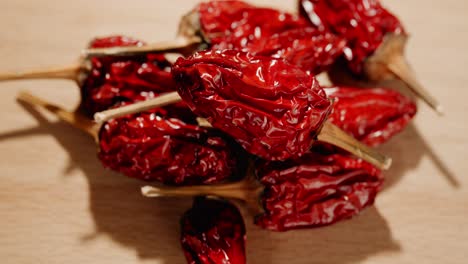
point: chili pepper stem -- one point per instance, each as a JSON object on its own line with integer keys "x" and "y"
{"x": 70, "y": 72}
{"x": 160, "y": 101}
{"x": 75, "y": 119}
{"x": 247, "y": 190}
{"x": 402, "y": 70}
{"x": 335, "y": 136}
{"x": 388, "y": 62}
{"x": 180, "y": 43}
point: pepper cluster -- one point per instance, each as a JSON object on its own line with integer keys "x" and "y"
{"x": 256, "y": 86}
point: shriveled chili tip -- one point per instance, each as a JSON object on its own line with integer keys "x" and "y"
{"x": 372, "y": 116}
{"x": 363, "y": 23}
{"x": 272, "y": 108}
{"x": 149, "y": 147}
{"x": 213, "y": 231}
{"x": 315, "y": 190}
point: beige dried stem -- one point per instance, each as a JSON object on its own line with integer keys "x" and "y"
{"x": 329, "y": 133}
{"x": 388, "y": 62}
{"x": 69, "y": 72}
{"x": 75, "y": 119}
{"x": 247, "y": 190}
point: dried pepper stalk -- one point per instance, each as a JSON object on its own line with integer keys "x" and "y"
{"x": 273, "y": 109}
{"x": 264, "y": 31}
{"x": 149, "y": 147}
{"x": 376, "y": 39}
{"x": 372, "y": 116}
{"x": 213, "y": 231}
{"x": 314, "y": 190}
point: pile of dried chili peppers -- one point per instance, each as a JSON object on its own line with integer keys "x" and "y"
{"x": 249, "y": 119}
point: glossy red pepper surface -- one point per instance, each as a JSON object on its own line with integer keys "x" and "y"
{"x": 315, "y": 190}
{"x": 236, "y": 23}
{"x": 364, "y": 24}
{"x": 149, "y": 147}
{"x": 213, "y": 232}
{"x": 273, "y": 109}
{"x": 112, "y": 80}
{"x": 372, "y": 116}
{"x": 308, "y": 48}
{"x": 269, "y": 32}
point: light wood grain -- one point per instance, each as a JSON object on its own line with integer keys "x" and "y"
{"x": 58, "y": 205}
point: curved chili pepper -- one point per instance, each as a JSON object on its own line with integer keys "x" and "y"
{"x": 112, "y": 80}
{"x": 372, "y": 116}
{"x": 241, "y": 26}
{"x": 149, "y": 147}
{"x": 315, "y": 190}
{"x": 364, "y": 24}
{"x": 273, "y": 109}
{"x": 213, "y": 231}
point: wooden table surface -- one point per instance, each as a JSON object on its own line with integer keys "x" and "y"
{"x": 58, "y": 205}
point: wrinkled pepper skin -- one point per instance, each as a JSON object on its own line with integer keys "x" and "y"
{"x": 113, "y": 80}
{"x": 372, "y": 116}
{"x": 240, "y": 26}
{"x": 213, "y": 232}
{"x": 315, "y": 190}
{"x": 307, "y": 48}
{"x": 149, "y": 147}
{"x": 271, "y": 108}
{"x": 235, "y": 24}
{"x": 363, "y": 23}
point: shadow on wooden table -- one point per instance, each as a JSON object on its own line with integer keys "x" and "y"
{"x": 148, "y": 226}
{"x": 407, "y": 149}
{"x": 121, "y": 213}
{"x": 347, "y": 242}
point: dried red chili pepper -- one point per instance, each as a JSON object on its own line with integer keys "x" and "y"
{"x": 310, "y": 49}
{"x": 112, "y": 80}
{"x": 235, "y": 24}
{"x": 363, "y": 23}
{"x": 148, "y": 147}
{"x": 213, "y": 231}
{"x": 273, "y": 109}
{"x": 372, "y": 116}
{"x": 315, "y": 190}
{"x": 376, "y": 40}
{"x": 238, "y": 25}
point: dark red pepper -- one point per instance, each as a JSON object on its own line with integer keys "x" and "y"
{"x": 236, "y": 23}
{"x": 149, "y": 147}
{"x": 272, "y": 108}
{"x": 364, "y": 24}
{"x": 213, "y": 232}
{"x": 112, "y": 80}
{"x": 310, "y": 49}
{"x": 372, "y": 116}
{"x": 315, "y": 190}
{"x": 241, "y": 26}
